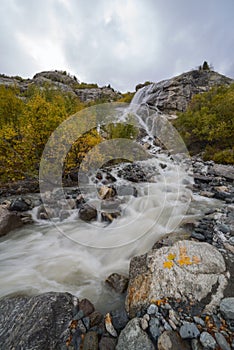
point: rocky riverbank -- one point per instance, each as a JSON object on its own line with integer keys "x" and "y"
{"x": 179, "y": 294}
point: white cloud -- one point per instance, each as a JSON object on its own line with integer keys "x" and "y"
{"x": 121, "y": 42}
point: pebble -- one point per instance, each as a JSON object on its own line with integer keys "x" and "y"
{"x": 199, "y": 320}
{"x": 189, "y": 330}
{"x": 223, "y": 228}
{"x": 227, "y": 308}
{"x": 86, "y": 306}
{"x": 152, "y": 309}
{"x": 107, "y": 343}
{"x": 91, "y": 341}
{"x": 144, "y": 323}
{"x": 222, "y": 342}
{"x": 109, "y": 326}
{"x": 198, "y": 236}
{"x": 231, "y": 240}
{"x": 207, "y": 341}
{"x": 154, "y": 330}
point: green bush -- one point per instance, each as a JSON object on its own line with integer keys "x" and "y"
{"x": 208, "y": 124}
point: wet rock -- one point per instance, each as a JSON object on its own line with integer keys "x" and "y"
{"x": 8, "y": 221}
{"x": 119, "y": 318}
{"x": 87, "y": 213}
{"x": 227, "y": 308}
{"x": 153, "y": 278}
{"x": 133, "y": 172}
{"x": 133, "y": 337}
{"x": 207, "y": 341}
{"x": 20, "y": 204}
{"x": 126, "y": 190}
{"x": 107, "y": 343}
{"x": 222, "y": 342}
{"x": 86, "y": 306}
{"x": 118, "y": 282}
{"x": 189, "y": 330}
{"x": 45, "y": 212}
{"x": 95, "y": 318}
{"x": 170, "y": 340}
{"x": 36, "y": 322}
{"x": 91, "y": 341}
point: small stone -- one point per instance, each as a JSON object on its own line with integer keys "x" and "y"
{"x": 167, "y": 326}
{"x": 198, "y": 236}
{"x": 207, "y": 341}
{"x": 81, "y": 327}
{"x": 154, "y": 330}
{"x": 152, "y": 309}
{"x": 222, "y": 342}
{"x": 79, "y": 315}
{"x": 199, "y": 320}
{"x": 86, "y": 306}
{"x": 119, "y": 318}
{"x": 189, "y": 330}
{"x": 91, "y": 341}
{"x": 109, "y": 326}
{"x": 223, "y": 228}
{"x": 172, "y": 324}
{"x": 231, "y": 241}
{"x": 227, "y": 308}
{"x": 170, "y": 340}
{"x": 87, "y": 213}
{"x": 174, "y": 317}
{"x": 86, "y": 322}
{"x": 144, "y": 324}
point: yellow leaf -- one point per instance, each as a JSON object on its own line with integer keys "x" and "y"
{"x": 168, "y": 264}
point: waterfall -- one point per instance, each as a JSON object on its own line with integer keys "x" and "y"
{"x": 76, "y": 256}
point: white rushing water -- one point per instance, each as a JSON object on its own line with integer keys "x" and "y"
{"x": 75, "y": 256}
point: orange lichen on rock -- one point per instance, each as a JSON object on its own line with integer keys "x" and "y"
{"x": 196, "y": 259}
{"x": 171, "y": 256}
{"x": 168, "y": 264}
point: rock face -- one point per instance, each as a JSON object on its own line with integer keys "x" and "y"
{"x": 186, "y": 270}
{"x": 36, "y": 322}
{"x": 174, "y": 94}
{"x": 65, "y": 82}
{"x": 9, "y": 220}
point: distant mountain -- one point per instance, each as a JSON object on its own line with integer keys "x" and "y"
{"x": 66, "y": 82}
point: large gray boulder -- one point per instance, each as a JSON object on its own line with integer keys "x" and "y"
{"x": 173, "y": 95}
{"x": 38, "y": 322}
{"x": 186, "y": 269}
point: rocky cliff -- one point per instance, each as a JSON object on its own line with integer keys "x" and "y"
{"x": 65, "y": 82}
{"x": 173, "y": 95}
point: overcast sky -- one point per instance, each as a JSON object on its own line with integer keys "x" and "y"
{"x": 121, "y": 42}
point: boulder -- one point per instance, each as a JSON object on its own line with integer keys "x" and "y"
{"x": 188, "y": 269}
{"x": 9, "y": 220}
{"x": 36, "y": 322}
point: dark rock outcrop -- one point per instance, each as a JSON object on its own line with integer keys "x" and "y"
{"x": 36, "y": 322}
{"x": 173, "y": 95}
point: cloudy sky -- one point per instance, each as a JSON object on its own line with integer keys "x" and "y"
{"x": 121, "y": 42}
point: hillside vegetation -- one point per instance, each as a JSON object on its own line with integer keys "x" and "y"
{"x": 27, "y": 119}
{"x": 207, "y": 126}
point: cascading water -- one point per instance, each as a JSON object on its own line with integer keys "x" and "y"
{"x": 76, "y": 256}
